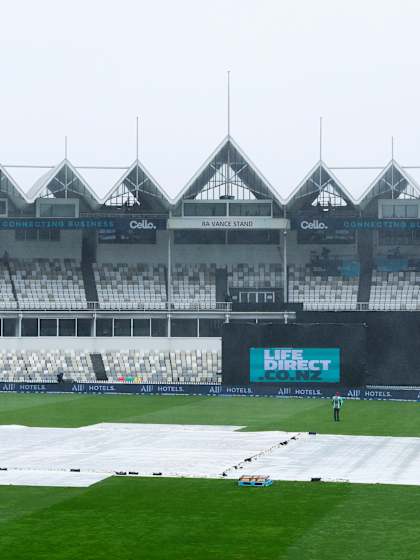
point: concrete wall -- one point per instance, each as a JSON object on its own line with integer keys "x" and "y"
{"x": 136, "y": 253}
{"x": 187, "y": 254}
{"x": 299, "y": 254}
{"x": 90, "y": 344}
{"x": 69, "y": 246}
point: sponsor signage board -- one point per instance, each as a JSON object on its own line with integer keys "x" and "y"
{"x": 323, "y": 224}
{"x": 226, "y": 223}
{"x": 255, "y": 390}
{"x": 294, "y": 365}
{"x": 120, "y": 223}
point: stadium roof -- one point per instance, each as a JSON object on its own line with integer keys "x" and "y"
{"x": 392, "y": 182}
{"x": 320, "y": 184}
{"x": 10, "y": 188}
{"x": 228, "y": 172}
{"x": 137, "y": 186}
{"x": 63, "y": 181}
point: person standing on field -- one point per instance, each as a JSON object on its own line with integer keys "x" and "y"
{"x": 337, "y": 402}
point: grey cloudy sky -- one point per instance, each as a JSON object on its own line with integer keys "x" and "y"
{"x": 87, "y": 68}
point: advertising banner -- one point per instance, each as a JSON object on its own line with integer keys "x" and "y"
{"x": 324, "y": 224}
{"x": 126, "y": 223}
{"x": 256, "y": 390}
{"x": 279, "y": 365}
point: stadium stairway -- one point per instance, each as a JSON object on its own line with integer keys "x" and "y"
{"x": 365, "y": 250}
{"x": 6, "y": 260}
{"x": 89, "y": 281}
{"x": 221, "y": 284}
{"x": 98, "y": 367}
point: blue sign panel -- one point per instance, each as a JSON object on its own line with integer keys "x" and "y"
{"x": 257, "y": 390}
{"x": 279, "y": 365}
{"x": 324, "y": 224}
{"x": 126, "y": 223}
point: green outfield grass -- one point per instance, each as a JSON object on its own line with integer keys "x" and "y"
{"x": 358, "y": 417}
{"x": 171, "y": 519}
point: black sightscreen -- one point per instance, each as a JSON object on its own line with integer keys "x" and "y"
{"x": 238, "y": 338}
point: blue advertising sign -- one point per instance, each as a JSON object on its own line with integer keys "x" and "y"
{"x": 279, "y": 365}
{"x": 126, "y": 223}
{"x": 324, "y": 224}
{"x": 291, "y": 390}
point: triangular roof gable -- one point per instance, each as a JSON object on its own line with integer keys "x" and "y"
{"x": 375, "y": 189}
{"x": 146, "y": 180}
{"x": 241, "y": 165}
{"x": 310, "y": 185}
{"x": 44, "y": 183}
{"x": 16, "y": 193}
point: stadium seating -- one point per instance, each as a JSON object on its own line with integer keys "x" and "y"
{"x": 395, "y": 291}
{"x": 258, "y": 276}
{"x": 194, "y": 286}
{"x": 124, "y": 366}
{"x": 130, "y": 286}
{"x": 7, "y": 297}
{"x": 319, "y": 292}
{"x": 44, "y": 366}
{"x": 48, "y": 283}
{"x": 163, "y": 367}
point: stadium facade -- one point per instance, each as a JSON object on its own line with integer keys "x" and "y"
{"x": 136, "y": 286}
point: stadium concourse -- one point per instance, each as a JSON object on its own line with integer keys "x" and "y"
{"x": 132, "y": 286}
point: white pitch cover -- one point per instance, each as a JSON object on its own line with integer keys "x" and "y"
{"x": 45, "y": 456}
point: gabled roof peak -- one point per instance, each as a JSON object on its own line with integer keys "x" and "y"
{"x": 228, "y": 171}
{"x": 392, "y": 179}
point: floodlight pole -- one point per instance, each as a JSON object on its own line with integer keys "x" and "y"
{"x": 65, "y": 168}
{"x": 137, "y": 155}
{"x": 169, "y": 280}
{"x": 228, "y": 134}
{"x": 285, "y": 294}
{"x": 320, "y": 138}
{"x": 228, "y": 103}
{"x": 320, "y": 152}
{"x": 392, "y": 167}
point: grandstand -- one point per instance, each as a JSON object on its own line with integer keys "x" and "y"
{"x": 159, "y": 277}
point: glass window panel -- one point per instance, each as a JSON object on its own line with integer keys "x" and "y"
{"x": 67, "y": 327}
{"x": 399, "y": 211}
{"x": 204, "y": 209}
{"x": 159, "y": 327}
{"x": 48, "y": 327}
{"x": 387, "y": 211}
{"x": 141, "y": 327}
{"x": 122, "y": 327}
{"x": 251, "y": 209}
{"x": 104, "y": 327}
{"x": 29, "y": 327}
{"x": 184, "y": 327}
{"x": 9, "y": 327}
{"x": 84, "y": 327}
{"x": 412, "y": 211}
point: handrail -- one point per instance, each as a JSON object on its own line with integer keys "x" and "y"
{"x": 222, "y": 306}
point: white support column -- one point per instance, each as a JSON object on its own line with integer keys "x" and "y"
{"x": 169, "y": 280}
{"x": 285, "y": 294}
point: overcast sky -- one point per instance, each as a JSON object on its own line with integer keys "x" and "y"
{"x": 86, "y": 69}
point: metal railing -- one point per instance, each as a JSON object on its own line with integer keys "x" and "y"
{"x": 165, "y": 307}
{"x": 381, "y": 305}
